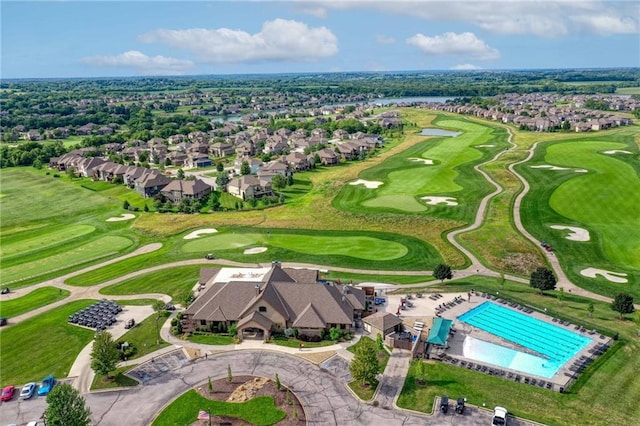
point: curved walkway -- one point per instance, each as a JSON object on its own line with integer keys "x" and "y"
{"x": 480, "y": 215}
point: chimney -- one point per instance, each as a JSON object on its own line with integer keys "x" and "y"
{"x": 257, "y": 287}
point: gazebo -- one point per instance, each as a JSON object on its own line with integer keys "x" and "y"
{"x": 439, "y": 332}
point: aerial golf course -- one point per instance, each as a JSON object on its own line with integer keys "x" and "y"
{"x": 383, "y": 216}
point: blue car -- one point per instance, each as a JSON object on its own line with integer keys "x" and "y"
{"x": 47, "y": 385}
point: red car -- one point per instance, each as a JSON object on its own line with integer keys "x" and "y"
{"x": 7, "y": 393}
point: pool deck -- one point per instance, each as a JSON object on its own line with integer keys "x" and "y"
{"x": 454, "y": 353}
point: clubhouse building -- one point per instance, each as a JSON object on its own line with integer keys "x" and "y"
{"x": 262, "y": 300}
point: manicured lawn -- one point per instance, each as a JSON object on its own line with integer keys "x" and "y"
{"x": 211, "y": 339}
{"x": 33, "y": 300}
{"x": 44, "y": 344}
{"x": 354, "y": 246}
{"x": 145, "y": 336}
{"x": 346, "y": 277}
{"x": 117, "y": 380}
{"x": 97, "y": 249}
{"x": 405, "y": 179}
{"x": 172, "y": 281}
{"x": 259, "y": 411}
{"x": 605, "y": 201}
{"x": 40, "y": 239}
{"x": 366, "y": 392}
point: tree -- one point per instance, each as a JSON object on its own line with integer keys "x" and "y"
{"x": 379, "y": 342}
{"x": 126, "y": 205}
{"x": 66, "y": 407}
{"x": 180, "y": 174}
{"x": 623, "y": 303}
{"x": 278, "y": 182}
{"x": 443, "y": 272}
{"x": 543, "y": 279}
{"x": 105, "y": 355}
{"x": 365, "y": 366}
{"x": 229, "y": 374}
{"x": 210, "y": 385}
{"x": 245, "y": 169}
{"x": 219, "y": 166}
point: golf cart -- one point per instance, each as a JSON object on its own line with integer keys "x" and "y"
{"x": 444, "y": 405}
{"x": 499, "y": 416}
{"x": 460, "y": 405}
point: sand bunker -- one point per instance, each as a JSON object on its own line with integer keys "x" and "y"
{"x": 576, "y": 234}
{"x": 198, "y": 233}
{"x": 123, "y": 216}
{"x": 484, "y": 146}
{"x": 422, "y": 160}
{"x": 550, "y": 167}
{"x": 449, "y": 201}
{"x": 371, "y": 184}
{"x": 614, "y": 277}
{"x": 617, "y": 151}
{"x": 255, "y": 250}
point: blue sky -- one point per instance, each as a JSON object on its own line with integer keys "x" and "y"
{"x": 133, "y": 38}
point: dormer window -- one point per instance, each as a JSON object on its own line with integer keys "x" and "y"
{"x": 262, "y": 309}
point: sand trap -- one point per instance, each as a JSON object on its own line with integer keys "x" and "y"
{"x": 617, "y": 151}
{"x": 449, "y": 201}
{"x": 371, "y": 184}
{"x": 614, "y": 277}
{"x": 198, "y": 233}
{"x": 123, "y": 216}
{"x": 483, "y": 146}
{"x": 550, "y": 167}
{"x": 576, "y": 234}
{"x": 422, "y": 160}
{"x": 255, "y": 250}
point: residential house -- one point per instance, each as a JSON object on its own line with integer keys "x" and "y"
{"x": 150, "y": 184}
{"x": 195, "y": 160}
{"x": 220, "y": 149}
{"x": 260, "y": 301}
{"x": 254, "y": 164}
{"x": 178, "y": 189}
{"x": 273, "y": 168}
{"x": 298, "y": 161}
{"x": 248, "y": 186}
{"x": 328, "y": 157}
{"x": 86, "y": 166}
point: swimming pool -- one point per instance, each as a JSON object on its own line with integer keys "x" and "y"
{"x": 553, "y": 345}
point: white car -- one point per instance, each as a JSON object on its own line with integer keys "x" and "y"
{"x": 499, "y": 416}
{"x": 28, "y": 390}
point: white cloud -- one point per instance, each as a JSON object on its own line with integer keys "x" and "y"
{"x": 381, "y": 39}
{"x": 156, "y": 65}
{"x": 552, "y": 18}
{"x": 317, "y": 11}
{"x": 278, "y": 40}
{"x": 605, "y": 24}
{"x": 465, "y": 67}
{"x": 452, "y": 44}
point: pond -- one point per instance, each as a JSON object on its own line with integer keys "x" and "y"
{"x": 438, "y": 132}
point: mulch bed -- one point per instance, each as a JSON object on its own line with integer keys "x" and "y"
{"x": 222, "y": 389}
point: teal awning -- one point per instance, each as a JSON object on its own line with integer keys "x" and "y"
{"x": 439, "y": 331}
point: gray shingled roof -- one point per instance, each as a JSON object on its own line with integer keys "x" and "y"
{"x": 309, "y": 318}
{"x": 258, "y": 318}
{"x": 382, "y": 320}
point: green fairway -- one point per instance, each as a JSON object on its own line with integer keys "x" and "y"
{"x": 605, "y": 201}
{"x": 145, "y": 336}
{"x": 33, "y": 198}
{"x": 439, "y": 166}
{"x": 259, "y": 411}
{"x": 30, "y": 301}
{"x": 44, "y": 344}
{"x": 40, "y": 239}
{"x": 354, "y": 246}
{"x": 172, "y": 281}
{"x": 96, "y": 249}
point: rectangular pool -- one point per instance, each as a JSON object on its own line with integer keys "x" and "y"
{"x": 553, "y": 346}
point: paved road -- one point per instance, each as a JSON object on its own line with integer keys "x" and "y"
{"x": 323, "y": 395}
